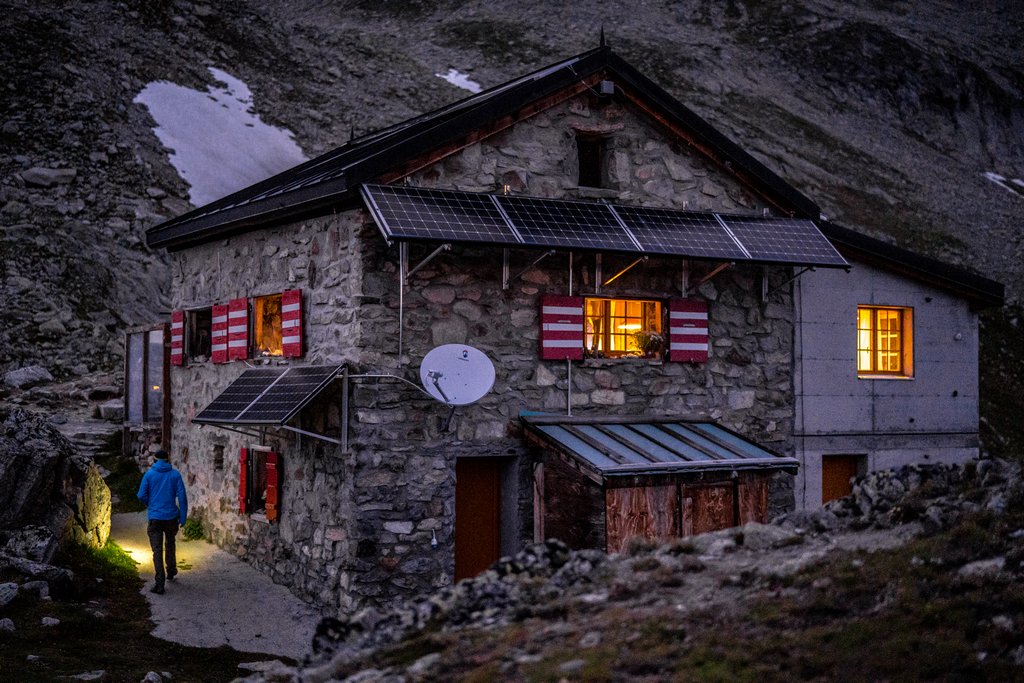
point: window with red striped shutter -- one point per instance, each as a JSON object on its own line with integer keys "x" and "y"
{"x": 273, "y": 486}
{"x": 291, "y": 323}
{"x": 243, "y": 488}
{"x": 219, "y": 334}
{"x": 688, "y": 330}
{"x": 238, "y": 329}
{"x": 178, "y": 338}
{"x": 561, "y": 329}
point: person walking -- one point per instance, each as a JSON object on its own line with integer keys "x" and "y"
{"x": 163, "y": 492}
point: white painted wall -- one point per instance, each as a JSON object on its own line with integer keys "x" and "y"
{"x": 931, "y": 417}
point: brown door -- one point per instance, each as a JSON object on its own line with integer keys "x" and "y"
{"x": 707, "y": 508}
{"x": 647, "y": 511}
{"x": 836, "y": 472}
{"x": 477, "y": 515}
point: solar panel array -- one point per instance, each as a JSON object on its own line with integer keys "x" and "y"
{"x": 559, "y": 223}
{"x": 452, "y": 216}
{"x": 267, "y": 395}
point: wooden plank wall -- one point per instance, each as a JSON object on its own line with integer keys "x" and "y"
{"x": 648, "y": 511}
{"x": 573, "y": 505}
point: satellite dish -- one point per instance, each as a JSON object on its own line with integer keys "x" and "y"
{"x": 456, "y": 374}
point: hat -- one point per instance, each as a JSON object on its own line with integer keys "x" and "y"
{"x": 160, "y": 454}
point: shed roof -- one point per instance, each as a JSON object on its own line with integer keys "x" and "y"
{"x": 616, "y": 446}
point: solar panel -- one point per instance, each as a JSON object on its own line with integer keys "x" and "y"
{"x": 267, "y": 395}
{"x": 570, "y": 224}
{"x": 238, "y": 395}
{"x": 783, "y": 240}
{"x": 443, "y": 215}
{"x": 684, "y": 233}
{"x": 287, "y": 396}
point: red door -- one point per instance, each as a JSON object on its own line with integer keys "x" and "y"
{"x": 477, "y": 515}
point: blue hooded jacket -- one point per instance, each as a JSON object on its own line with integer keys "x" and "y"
{"x": 161, "y": 485}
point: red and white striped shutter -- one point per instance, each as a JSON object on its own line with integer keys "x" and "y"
{"x": 291, "y": 323}
{"x": 273, "y": 486}
{"x": 688, "y": 330}
{"x": 219, "y": 334}
{"x": 561, "y": 327}
{"x": 243, "y": 489}
{"x": 238, "y": 329}
{"x": 178, "y": 338}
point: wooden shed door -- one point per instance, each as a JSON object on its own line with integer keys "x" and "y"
{"x": 836, "y": 472}
{"x": 477, "y": 515}
{"x": 646, "y": 511}
{"x": 707, "y": 508}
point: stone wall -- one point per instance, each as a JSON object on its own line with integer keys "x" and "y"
{"x": 357, "y": 528}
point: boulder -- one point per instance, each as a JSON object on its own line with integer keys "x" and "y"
{"x": 112, "y": 410}
{"x": 27, "y": 377}
{"x": 8, "y": 591}
{"x": 40, "y": 176}
{"x": 45, "y": 483}
{"x": 6, "y": 625}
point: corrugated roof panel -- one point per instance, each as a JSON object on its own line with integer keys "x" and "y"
{"x": 665, "y": 438}
{"x": 625, "y": 452}
{"x": 648, "y": 450}
{"x": 748, "y": 449}
{"x": 579, "y": 446}
{"x": 621, "y": 447}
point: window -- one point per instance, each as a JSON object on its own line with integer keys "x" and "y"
{"x": 199, "y": 325}
{"x": 623, "y": 327}
{"x": 266, "y": 325}
{"x": 259, "y": 482}
{"x": 884, "y": 341}
{"x": 218, "y": 457}
{"x": 591, "y": 151}
{"x": 146, "y": 357}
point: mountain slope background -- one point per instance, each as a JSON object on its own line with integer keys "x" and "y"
{"x": 888, "y": 114}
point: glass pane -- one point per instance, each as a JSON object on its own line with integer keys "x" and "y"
{"x": 134, "y": 378}
{"x": 155, "y": 377}
{"x": 267, "y": 325}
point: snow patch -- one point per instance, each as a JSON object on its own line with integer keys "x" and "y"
{"x": 460, "y": 80}
{"x": 1001, "y": 181}
{"x": 219, "y": 144}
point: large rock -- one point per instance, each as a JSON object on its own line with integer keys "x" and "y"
{"x": 24, "y": 378}
{"x": 44, "y": 483}
{"x": 40, "y": 176}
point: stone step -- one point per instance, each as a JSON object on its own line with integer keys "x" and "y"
{"x": 90, "y": 436}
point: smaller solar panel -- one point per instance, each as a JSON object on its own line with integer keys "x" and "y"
{"x": 570, "y": 224}
{"x": 685, "y": 233}
{"x": 238, "y": 395}
{"x": 287, "y": 396}
{"x": 783, "y": 240}
{"x": 443, "y": 215}
{"x": 267, "y": 395}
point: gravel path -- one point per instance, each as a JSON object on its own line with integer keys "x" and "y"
{"x": 217, "y": 599}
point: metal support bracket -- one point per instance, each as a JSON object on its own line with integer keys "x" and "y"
{"x": 444, "y": 247}
{"x": 597, "y": 274}
{"x": 625, "y": 270}
{"x": 505, "y": 279}
{"x": 775, "y": 289}
{"x": 713, "y": 273}
{"x": 537, "y": 260}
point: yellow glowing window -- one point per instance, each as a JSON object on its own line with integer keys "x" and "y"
{"x": 623, "y": 327}
{"x": 266, "y": 325}
{"x": 885, "y": 341}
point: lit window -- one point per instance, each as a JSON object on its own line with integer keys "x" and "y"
{"x": 623, "y": 327}
{"x": 266, "y": 325}
{"x": 884, "y": 341}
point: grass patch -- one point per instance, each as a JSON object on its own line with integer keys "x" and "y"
{"x": 193, "y": 530}
{"x": 104, "y": 624}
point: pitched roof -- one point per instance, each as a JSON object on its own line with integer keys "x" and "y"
{"x": 980, "y": 291}
{"x": 333, "y": 179}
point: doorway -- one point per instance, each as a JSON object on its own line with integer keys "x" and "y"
{"x": 477, "y": 515}
{"x": 836, "y": 474}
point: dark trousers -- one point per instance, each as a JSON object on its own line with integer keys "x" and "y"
{"x": 161, "y": 534}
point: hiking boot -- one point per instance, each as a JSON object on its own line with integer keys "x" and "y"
{"x": 158, "y": 589}
{"x": 170, "y": 577}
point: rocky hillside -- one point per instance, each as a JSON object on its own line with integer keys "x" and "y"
{"x": 904, "y": 120}
{"x": 916, "y": 576}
